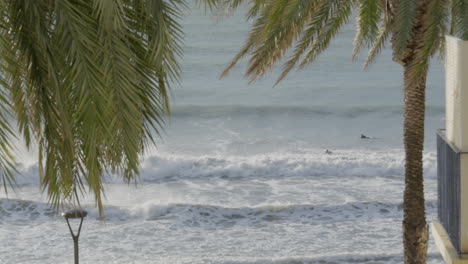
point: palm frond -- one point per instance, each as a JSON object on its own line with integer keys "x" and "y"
{"x": 325, "y": 23}
{"x": 403, "y": 25}
{"x": 460, "y": 19}
{"x": 7, "y": 160}
{"x": 90, "y": 80}
{"x": 286, "y": 23}
{"x": 340, "y": 12}
{"x": 254, "y": 39}
{"x": 368, "y": 20}
{"x": 377, "y": 45}
{"x": 228, "y": 6}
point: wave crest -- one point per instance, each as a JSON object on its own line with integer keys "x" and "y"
{"x": 164, "y": 167}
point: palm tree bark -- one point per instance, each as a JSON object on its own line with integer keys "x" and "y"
{"x": 415, "y": 231}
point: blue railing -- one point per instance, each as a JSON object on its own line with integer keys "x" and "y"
{"x": 448, "y": 190}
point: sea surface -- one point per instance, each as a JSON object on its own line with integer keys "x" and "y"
{"x": 240, "y": 175}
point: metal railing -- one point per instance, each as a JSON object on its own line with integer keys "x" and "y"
{"x": 448, "y": 188}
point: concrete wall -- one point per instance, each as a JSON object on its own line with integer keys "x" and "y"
{"x": 456, "y": 93}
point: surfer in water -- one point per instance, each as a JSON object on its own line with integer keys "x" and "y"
{"x": 364, "y": 137}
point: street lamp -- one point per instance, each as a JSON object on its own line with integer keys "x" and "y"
{"x": 75, "y": 214}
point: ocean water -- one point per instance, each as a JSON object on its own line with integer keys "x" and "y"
{"x": 241, "y": 175}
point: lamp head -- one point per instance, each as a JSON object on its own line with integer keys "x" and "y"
{"x": 76, "y": 213}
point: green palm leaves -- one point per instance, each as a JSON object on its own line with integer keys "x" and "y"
{"x": 308, "y": 25}
{"x": 459, "y": 25}
{"x": 301, "y": 30}
{"x": 7, "y": 161}
{"x": 89, "y": 81}
{"x": 305, "y": 26}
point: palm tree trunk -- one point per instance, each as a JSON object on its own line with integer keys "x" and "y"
{"x": 415, "y": 231}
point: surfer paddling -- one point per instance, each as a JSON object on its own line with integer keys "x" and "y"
{"x": 364, "y": 136}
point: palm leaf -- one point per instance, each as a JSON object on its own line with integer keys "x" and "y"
{"x": 377, "y": 45}
{"x": 404, "y": 20}
{"x": 368, "y": 20}
{"x": 460, "y": 19}
{"x": 325, "y": 23}
{"x": 89, "y": 80}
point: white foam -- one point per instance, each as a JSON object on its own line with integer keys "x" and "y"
{"x": 311, "y": 164}
{"x": 196, "y": 233}
{"x": 341, "y": 163}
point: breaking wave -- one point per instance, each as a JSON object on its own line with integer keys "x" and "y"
{"x": 345, "y": 163}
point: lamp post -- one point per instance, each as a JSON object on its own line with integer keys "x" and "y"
{"x": 75, "y": 214}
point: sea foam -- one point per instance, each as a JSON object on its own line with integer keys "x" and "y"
{"x": 163, "y": 167}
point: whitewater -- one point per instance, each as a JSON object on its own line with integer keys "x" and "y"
{"x": 241, "y": 174}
